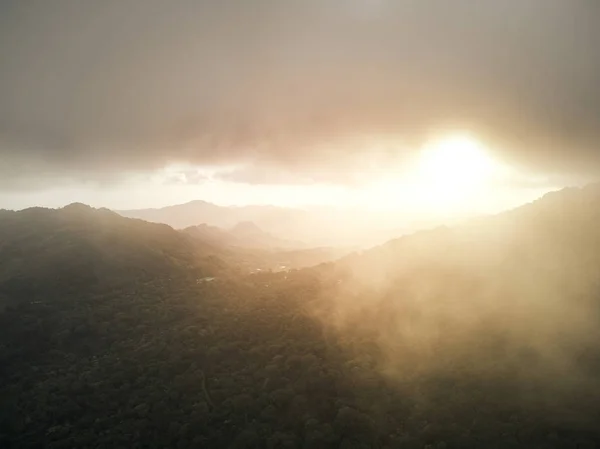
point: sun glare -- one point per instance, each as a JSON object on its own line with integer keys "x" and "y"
{"x": 458, "y": 159}
{"x": 455, "y": 169}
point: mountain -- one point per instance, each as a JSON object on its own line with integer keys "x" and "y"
{"x": 80, "y": 246}
{"x": 513, "y": 297}
{"x": 196, "y": 212}
{"x": 205, "y": 232}
{"x": 243, "y": 235}
{"x": 246, "y": 228}
{"x": 297, "y": 228}
{"x": 480, "y": 335}
{"x": 249, "y": 234}
{"x": 561, "y": 226}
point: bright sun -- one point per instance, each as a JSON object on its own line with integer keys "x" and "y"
{"x": 454, "y": 169}
{"x": 453, "y": 175}
{"x": 456, "y": 159}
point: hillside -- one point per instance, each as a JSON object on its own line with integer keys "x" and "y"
{"x": 482, "y": 335}
{"x": 512, "y": 297}
{"x": 545, "y": 234}
{"x": 182, "y": 216}
{"x": 78, "y": 246}
{"x": 549, "y": 249}
{"x": 245, "y": 234}
{"x": 212, "y": 233}
{"x": 288, "y": 228}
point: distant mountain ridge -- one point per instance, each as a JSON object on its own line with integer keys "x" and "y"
{"x": 211, "y": 233}
{"x": 194, "y": 213}
{"x": 79, "y": 242}
{"x": 306, "y": 228}
{"x": 245, "y": 234}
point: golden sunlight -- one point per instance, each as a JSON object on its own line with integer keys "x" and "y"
{"x": 456, "y": 159}
{"x": 454, "y": 170}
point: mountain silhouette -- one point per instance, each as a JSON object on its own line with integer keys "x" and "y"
{"x": 79, "y": 246}
{"x": 193, "y": 213}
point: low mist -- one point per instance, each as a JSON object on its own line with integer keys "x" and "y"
{"x": 509, "y": 301}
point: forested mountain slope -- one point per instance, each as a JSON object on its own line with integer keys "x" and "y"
{"x": 243, "y": 235}
{"x": 79, "y": 246}
{"x": 525, "y": 282}
{"x": 484, "y": 335}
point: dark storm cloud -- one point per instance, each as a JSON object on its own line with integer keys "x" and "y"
{"x": 114, "y": 85}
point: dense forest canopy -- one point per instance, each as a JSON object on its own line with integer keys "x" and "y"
{"x": 481, "y": 335}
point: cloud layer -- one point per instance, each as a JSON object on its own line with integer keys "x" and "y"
{"x": 97, "y": 88}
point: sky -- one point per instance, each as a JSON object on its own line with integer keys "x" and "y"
{"x": 144, "y": 103}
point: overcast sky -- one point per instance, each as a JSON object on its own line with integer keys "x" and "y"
{"x": 150, "y": 102}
